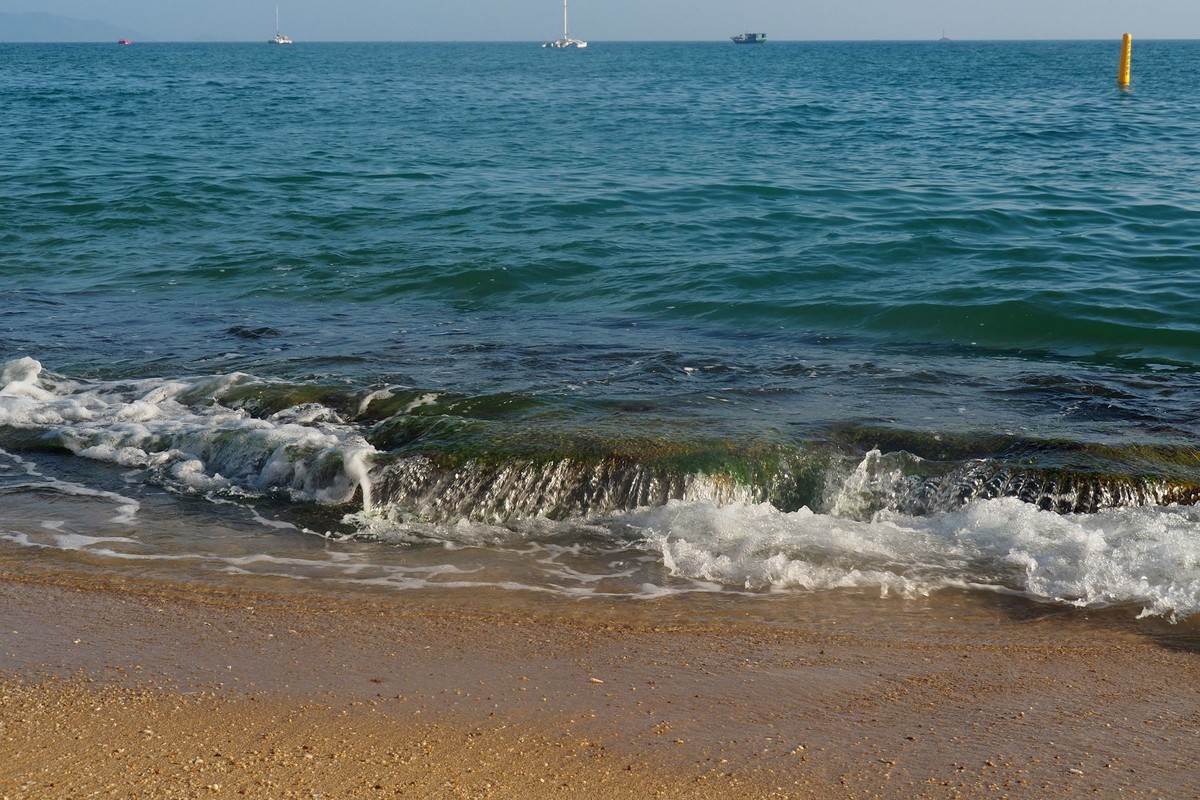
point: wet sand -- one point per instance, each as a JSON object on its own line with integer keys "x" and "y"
{"x": 113, "y": 688}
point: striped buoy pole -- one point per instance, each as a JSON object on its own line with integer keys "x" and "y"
{"x": 1123, "y": 72}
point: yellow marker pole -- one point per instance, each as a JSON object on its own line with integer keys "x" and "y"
{"x": 1123, "y": 72}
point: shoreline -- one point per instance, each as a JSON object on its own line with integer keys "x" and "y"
{"x": 490, "y": 694}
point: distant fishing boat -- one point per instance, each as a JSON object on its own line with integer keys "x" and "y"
{"x": 749, "y": 38}
{"x": 279, "y": 37}
{"x": 124, "y": 41}
{"x": 566, "y": 40}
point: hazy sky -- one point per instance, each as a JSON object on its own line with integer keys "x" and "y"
{"x": 600, "y": 20}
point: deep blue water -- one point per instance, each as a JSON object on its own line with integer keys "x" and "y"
{"x": 376, "y": 290}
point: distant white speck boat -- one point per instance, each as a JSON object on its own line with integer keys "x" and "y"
{"x": 279, "y": 37}
{"x": 566, "y": 40}
{"x": 749, "y": 38}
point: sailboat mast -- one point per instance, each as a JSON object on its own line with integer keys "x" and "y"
{"x": 565, "y": 35}
{"x": 277, "y": 18}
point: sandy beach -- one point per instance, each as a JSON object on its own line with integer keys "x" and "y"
{"x": 113, "y": 688}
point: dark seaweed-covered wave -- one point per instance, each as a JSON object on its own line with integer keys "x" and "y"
{"x": 437, "y": 457}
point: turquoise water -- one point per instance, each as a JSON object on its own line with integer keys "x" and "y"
{"x": 638, "y": 319}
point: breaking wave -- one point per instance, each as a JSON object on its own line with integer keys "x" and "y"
{"x": 712, "y": 515}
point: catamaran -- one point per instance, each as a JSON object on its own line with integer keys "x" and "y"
{"x": 566, "y": 40}
{"x": 279, "y": 37}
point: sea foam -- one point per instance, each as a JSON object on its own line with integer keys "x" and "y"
{"x": 1147, "y": 556}
{"x": 173, "y": 428}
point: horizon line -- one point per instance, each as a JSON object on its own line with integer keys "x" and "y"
{"x": 1116, "y": 37}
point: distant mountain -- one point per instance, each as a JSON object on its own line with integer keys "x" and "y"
{"x": 33, "y": 26}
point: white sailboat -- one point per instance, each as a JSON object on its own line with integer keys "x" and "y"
{"x": 566, "y": 40}
{"x": 279, "y": 37}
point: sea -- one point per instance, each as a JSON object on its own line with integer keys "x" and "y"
{"x": 893, "y": 320}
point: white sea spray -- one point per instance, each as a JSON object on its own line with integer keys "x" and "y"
{"x": 1128, "y": 556}
{"x": 171, "y": 427}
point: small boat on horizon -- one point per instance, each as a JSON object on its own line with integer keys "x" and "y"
{"x": 749, "y": 38}
{"x": 566, "y": 40}
{"x": 279, "y": 37}
{"x": 124, "y": 41}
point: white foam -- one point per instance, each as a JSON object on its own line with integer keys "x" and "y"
{"x": 463, "y": 532}
{"x": 139, "y": 411}
{"x": 306, "y": 414}
{"x": 1141, "y": 556}
{"x": 19, "y": 379}
{"x": 191, "y": 473}
{"x": 424, "y": 400}
{"x": 380, "y": 394}
{"x": 173, "y": 427}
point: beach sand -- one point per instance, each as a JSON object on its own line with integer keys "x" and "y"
{"x": 114, "y": 688}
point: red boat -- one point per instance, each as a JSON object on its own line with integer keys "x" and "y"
{"x": 124, "y": 41}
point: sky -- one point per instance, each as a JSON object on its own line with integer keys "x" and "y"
{"x": 626, "y": 20}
